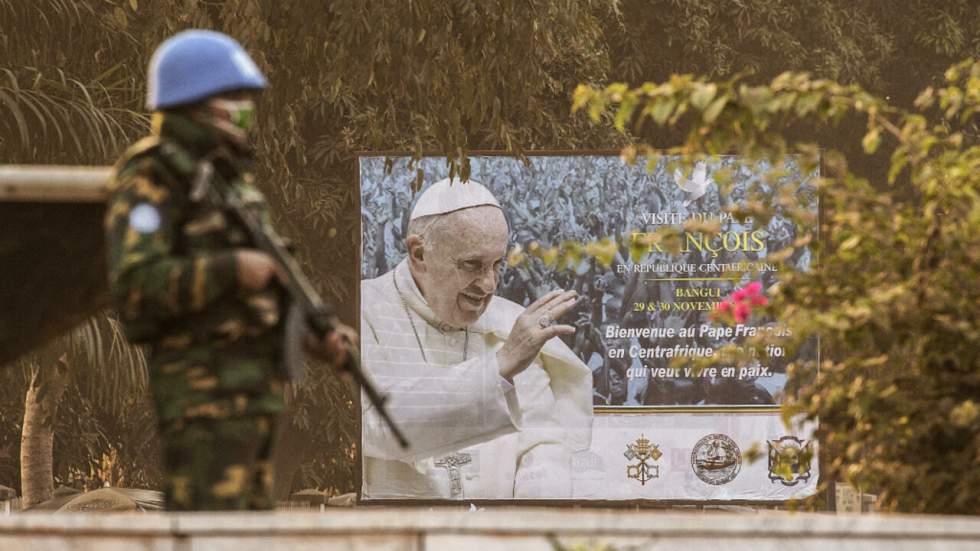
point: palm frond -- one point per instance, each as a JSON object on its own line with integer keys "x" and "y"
{"x": 104, "y": 365}
{"x": 54, "y": 111}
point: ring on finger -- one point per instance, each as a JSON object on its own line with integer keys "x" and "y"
{"x": 545, "y": 321}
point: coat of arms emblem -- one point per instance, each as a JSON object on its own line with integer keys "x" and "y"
{"x": 790, "y": 459}
{"x": 644, "y": 453}
{"x": 716, "y": 459}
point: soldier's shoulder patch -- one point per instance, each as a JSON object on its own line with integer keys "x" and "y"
{"x": 144, "y": 218}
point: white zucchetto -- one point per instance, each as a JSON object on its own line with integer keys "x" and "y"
{"x": 448, "y": 195}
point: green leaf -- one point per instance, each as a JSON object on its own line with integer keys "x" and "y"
{"x": 604, "y": 251}
{"x": 713, "y": 110}
{"x": 120, "y": 17}
{"x": 616, "y": 91}
{"x": 703, "y": 94}
{"x": 850, "y": 243}
{"x": 581, "y": 97}
{"x": 624, "y": 113}
{"x": 926, "y": 99}
{"x": 807, "y": 102}
{"x": 782, "y": 81}
{"x": 662, "y": 108}
{"x": 756, "y": 98}
{"x": 871, "y": 141}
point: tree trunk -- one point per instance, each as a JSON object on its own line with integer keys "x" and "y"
{"x": 37, "y": 439}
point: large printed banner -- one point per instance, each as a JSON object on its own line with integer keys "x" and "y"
{"x": 602, "y": 411}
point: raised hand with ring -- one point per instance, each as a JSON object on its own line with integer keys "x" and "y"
{"x": 533, "y": 329}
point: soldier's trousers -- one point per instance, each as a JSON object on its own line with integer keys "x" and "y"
{"x": 219, "y": 464}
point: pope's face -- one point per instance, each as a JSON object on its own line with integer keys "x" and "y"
{"x": 462, "y": 264}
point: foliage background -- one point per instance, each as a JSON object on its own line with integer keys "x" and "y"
{"x": 429, "y": 75}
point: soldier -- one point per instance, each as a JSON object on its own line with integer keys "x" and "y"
{"x": 186, "y": 282}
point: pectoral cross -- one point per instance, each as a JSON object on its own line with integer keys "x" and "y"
{"x": 452, "y": 463}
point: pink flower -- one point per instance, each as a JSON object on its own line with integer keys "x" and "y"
{"x": 759, "y": 300}
{"x": 739, "y": 295}
{"x": 741, "y": 312}
{"x": 753, "y": 289}
{"x": 724, "y": 306}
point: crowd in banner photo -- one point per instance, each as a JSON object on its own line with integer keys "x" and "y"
{"x": 589, "y": 197}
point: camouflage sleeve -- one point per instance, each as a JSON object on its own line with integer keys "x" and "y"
{"x": 150, "y": 283}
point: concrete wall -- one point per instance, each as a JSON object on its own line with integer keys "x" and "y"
{"x": 439, "y": 529}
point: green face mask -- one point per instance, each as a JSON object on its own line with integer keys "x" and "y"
{"x": 240, "y": 113}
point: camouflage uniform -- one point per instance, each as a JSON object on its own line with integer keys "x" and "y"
{"x": 214, "y": 350}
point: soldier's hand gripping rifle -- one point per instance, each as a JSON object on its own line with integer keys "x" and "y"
{"x": 307, "y": 311}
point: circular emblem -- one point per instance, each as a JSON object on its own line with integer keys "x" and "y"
{"x": 716, "y": 459}
{"x": 144, "y": 218}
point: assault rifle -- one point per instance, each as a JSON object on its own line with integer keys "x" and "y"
{"x": 307, "y": 311}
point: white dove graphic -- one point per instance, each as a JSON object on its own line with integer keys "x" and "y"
{"x": 696, "y": 185}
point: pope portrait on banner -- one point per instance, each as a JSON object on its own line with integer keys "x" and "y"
{"x": 492, "y": 401}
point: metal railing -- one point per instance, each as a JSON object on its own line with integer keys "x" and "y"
{"x": 54, "y": 183}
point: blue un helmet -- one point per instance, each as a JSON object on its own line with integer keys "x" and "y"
{"x": 193, "y": 65}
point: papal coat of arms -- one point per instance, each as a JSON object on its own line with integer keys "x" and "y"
{"x": 789, "y": 460}
{"x": 644, "y": 453}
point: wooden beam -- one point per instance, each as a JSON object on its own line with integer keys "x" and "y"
{"x": 52, "y": 183}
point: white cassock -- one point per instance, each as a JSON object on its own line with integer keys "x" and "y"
{"x": 472, "y": 434}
